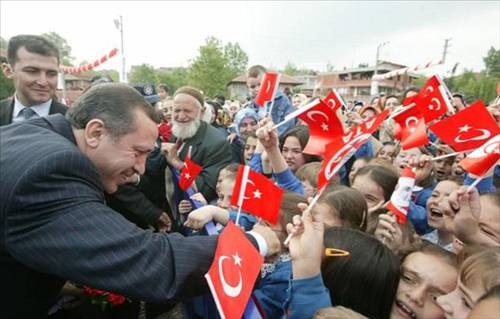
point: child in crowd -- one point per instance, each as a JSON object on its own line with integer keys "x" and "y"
{"x": 342, "y": 206}
{"x": 358, "y": 163}
{"x": 426, "y": 274}
{"x": 364, "y": 280}
{"x": 376, "y": 184}
{"x": 478, "y": 273}
{"x": 487, "y": 306}
{"x": 388, "y": 151}
{"x": 472, "y": 218}
{"x": 249, "y": 147}
{"x": 435, "y": 210}
{"x": 308, "y": 176}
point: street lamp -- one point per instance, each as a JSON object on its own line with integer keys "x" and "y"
{"x": 119, "y": 26}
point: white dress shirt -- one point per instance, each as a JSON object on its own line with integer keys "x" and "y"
{"x": 40, "y": 109}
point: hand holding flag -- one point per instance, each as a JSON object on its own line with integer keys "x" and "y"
{"x": 268, "y": 88}
{"x": 189, "y": 173}
{"x": 401, "y": 197}
{"x": 233, "y": 272}
{"x": 257, "y": 195}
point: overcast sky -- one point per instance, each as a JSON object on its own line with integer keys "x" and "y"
{"x": 307, "y": 33}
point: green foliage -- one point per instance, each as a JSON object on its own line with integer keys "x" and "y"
{"x": 216, "y": 65}
{"x": 174, "y": 79}
{"x": 143, "y": 73}
{"x": 62, "y": 44}
{"x": 237, "y": 59}
{"x": 420, "y": 81}
{"x": 492, "y": 63}
{"x": 6, "y": 87}
{"x": 474, "y": 85}
{"x": 291, "y": 69}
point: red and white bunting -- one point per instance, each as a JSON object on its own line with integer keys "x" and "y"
{"x": 70, "y": 69}
{"x": 415, "y": 68}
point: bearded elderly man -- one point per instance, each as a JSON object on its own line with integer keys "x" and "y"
{"x": 55, "y": 226}
{"x": 207, "y": 146}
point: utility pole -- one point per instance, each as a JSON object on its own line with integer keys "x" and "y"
{"x": 119, "y": 26}
{"x": 445, "y": 49}
{"x": 374, "y": 85}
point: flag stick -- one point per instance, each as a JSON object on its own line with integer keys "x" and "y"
{"x": 445, "y": 156}
{"x": 238, "y": 216}
{"x": 297, "y": 112}
{"x": 271, "y": 107}
{"x": 313, "y": 202}
{"x": 474, "y": 184}
{"x": 398, "y": 143}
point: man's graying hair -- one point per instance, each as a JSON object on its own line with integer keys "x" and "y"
{"x": 32, "y": 43}
{"x": 114, "y": 104}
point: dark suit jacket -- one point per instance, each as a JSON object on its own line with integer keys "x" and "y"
{"x": 54, "y": 226}
{"x": 7, "y": 107}
{"x": 211, "y": 150}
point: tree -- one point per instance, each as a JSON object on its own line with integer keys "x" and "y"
{"x": 6, "y": 87}
{"x": 291, "y": 69}
{"x": 62, "y": 45}
{"x": 492, "y": 63}
{"x": 143, "y": 73}
{"x": 474, "y": 86}
{"x": 237, "y": 59}
{"x": 215, "y": 66}
{"x": 174, "y": 79}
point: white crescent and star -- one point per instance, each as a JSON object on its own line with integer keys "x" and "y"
{"x": 331, "y": 102}
{"x": 231, "y": 291}
{"x": 438, "y": 104}
{"x": 324, "y": 125}
{"x": 341, "y": 154}
{"x": 256, "y": 194}
{"x": 485, "y": 134}
{"x": 411, "y": 121}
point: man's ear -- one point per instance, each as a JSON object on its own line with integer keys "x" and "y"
{"x": 7, "y": 70}
{"x": 94, "y": 132}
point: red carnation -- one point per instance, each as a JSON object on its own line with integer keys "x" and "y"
{"x": 165, "y": 132}
{"x": 115, "y": 299}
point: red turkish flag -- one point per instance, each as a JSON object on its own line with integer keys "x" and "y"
{"x": 233, "y": 272}
{"x": 334, "y": 100}
{"x": 401, "y": 197}
{"x": 432, "y": 100}
{"x": 189, "y": 173}
{"x": 483, "y": 158}
{"x": 414, "y": 136}
{"x": 371, "y": 125}
{"x": 324, "y": 126}
{"x": 468, "y": 129}
{"x": 257, "y": 195}
{"x": 338, "y": 153}
{"x": 268, "y": 88}
{"x": 408, "y": 118}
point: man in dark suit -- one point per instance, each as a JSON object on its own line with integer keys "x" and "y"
{"x": 33, "y": 65}
{"x": 55, "y": 226}
{"x": 207, "y": 145}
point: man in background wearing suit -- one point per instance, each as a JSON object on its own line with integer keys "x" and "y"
{"x": 33, "y": 65}
{"x": 55, "y": 226}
